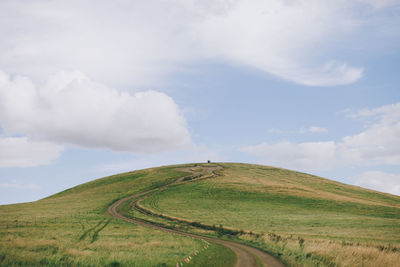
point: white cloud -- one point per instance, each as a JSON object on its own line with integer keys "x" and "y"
{"x": 303, "y": 130}
{"x": 277, "y": 131}
{"x": 317, "y": 129}
{"x": 380, "y": 3}
{"x": 21, "y": 152}
{"x": 282, "y": 38}
{"x": 310, "y": 156}
{"x": 387, "y": 114}
{"x": 115, "y": 43}
{"x": 140, "y": 42}
{"x": 381, "y": 181}
{"x": 70, "y": 108}
{"x": 378, "y": 144}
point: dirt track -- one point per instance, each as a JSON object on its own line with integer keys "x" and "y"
{"x": 246, "y": 256}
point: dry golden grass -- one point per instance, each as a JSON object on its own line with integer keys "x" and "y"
{"x": 287, "y": 182}
{"x": 340, "y": 225}
{"x": 354, "y": 255}
{"x": 305, "y": 220}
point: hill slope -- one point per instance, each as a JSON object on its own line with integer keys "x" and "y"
{"x": 303, "y": 219}
{"x": 336, "y": 223}
{"x": 72, "y": 228}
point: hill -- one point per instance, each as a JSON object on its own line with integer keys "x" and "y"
{"x": 73, "y": 228}
{"x": 300, "y": 218}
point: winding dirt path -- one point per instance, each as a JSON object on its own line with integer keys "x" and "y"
{"x": 246, "y": 256}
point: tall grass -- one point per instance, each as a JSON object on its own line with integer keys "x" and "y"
{"x": 303, "y": 219}
{"x": 72, "y": 228}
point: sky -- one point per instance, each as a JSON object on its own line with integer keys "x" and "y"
{"x": 94, "y": 88}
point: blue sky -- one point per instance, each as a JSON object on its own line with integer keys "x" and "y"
{"x": 92, "y": 89}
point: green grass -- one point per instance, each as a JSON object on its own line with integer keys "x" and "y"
{"x": 215, "y": 256}
{"x": 278, "y": 212}
{"x": 302, "y": 219}
{"x": 72, "y": 228}
{"x": 287, "y": 204}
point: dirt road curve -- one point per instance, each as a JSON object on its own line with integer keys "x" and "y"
{"x": 246, "y": 256}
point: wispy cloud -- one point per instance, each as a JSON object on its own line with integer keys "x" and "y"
{"x": 303, "y": 130}
{"x": 317, "y": 129}
{"x": 17, "y": 185}
{"x": 143, "y": 41}
{"x": 377, "y": 180}
{"x": 378, "y": 144}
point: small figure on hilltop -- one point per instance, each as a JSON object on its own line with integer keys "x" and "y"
{"x": 208, "y": 161}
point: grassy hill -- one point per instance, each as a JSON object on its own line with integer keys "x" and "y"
{"x": 303, "y": 219}
{"x": 72, "y": 228}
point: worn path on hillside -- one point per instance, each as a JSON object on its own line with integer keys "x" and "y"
{"x": 246, "y": 256}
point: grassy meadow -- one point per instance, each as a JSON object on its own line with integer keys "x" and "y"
{"x": 303, "y": 219}
{"x": 72, "y": 228}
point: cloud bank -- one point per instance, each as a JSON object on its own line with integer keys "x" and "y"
{"x": 378, "y": 144}
{"x": 72, "y": 109}
{"x": 381, "y": 181}
{"x": 22, "y": 152}
{"x": 132, "y": 44}
{"x": 141, "y": 42}
{"x": 281, "y": 38}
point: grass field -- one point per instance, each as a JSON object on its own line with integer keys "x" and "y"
{"x": 302, "y": 219}
{"x": 72, "y": 228}
{"x": 306, "y": 220}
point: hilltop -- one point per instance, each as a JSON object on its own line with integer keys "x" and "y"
{"x": 299, "y": 218}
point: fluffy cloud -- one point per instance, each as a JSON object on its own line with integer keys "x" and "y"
{"x": 378, "y": 144}
{"x": 21, "y": 152}
{"x": 70, "y": 108}
{"x": 139, "y": 42}
{"x": 386, "y": 182}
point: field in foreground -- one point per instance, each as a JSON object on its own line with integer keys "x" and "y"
{"x": 72, "y": 228}
{"x": 302, "y": 219}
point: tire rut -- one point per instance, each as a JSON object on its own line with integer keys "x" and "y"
{"x": 246, "y": 256}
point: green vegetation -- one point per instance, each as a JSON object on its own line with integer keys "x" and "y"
{"x": 215, "y": 256}
{"x": 73, "y": 228}
{"x": 303, "y": 219}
